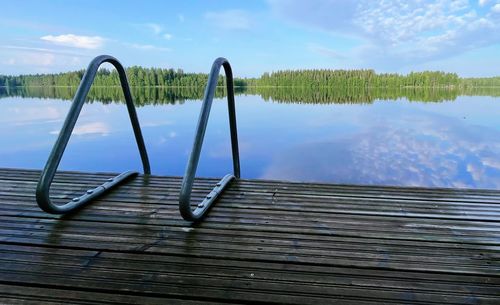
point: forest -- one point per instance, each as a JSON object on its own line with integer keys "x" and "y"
{"x": 158, "y": 77}
{"x": 137, "y": 76}
{"x": 355, "y": 79}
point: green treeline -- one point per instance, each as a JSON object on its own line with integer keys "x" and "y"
{"x": 481, "y": 81}
{"x": 157, "y": 77}
{"x": 160, "y": 86}
{"x": 355, "y": 78}
{"x": 137, "y": 76}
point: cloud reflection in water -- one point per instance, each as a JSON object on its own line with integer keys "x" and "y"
{"x": 400, "y": 148}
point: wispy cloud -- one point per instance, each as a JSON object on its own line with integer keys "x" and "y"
{"x": 230, "y": 19}
{"x": 32, "y": 59}
{"x": 75, "y": 41}
{"x": 399, "y": 33}
{"x": 41, "y": 50}
{"x": 157, "y": 123}
{"x": 148, "y": 47}
{"x": 89, "y": 128}
{"x": 35, "y": 59}
{"x": 483, "y": 2}
{"x": 38, "y": 60}
{"x": 157, "y": 30}
{"x": 19, "y": 116}
{"x": 322, "y": 50}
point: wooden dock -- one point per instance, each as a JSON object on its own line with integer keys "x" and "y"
{"x": 263, "y": 242}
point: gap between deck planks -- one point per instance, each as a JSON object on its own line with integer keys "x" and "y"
{"x": 263, "y": 242}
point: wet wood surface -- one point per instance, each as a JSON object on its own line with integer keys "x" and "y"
{"x": 263, "y": 242}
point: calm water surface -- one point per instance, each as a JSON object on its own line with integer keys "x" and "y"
{"x": 392, "y": 142}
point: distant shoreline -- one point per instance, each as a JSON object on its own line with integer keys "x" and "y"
{"x": 262, "y": 86}
{"x": 317, "y": 78}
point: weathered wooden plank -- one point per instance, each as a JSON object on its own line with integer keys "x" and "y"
{"x": 455, "y": 236}
{"x": 133, "y": 193}
{"x": 332, "y": 233}
{"x": 161, "y": 280}
{"x": 330, "y": 193}
{"x": 251, "y": 203}
{"x": 330, "y": 242}
{"x": 44, "y": 294}
{"x": 112, "y": 236}
{"x": 264, "y": 242}
{"x": 282, "y": 186}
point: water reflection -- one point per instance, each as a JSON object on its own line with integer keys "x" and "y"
{"x": 391, "y": 142}
{"x": 415, "y": 148}
{"x": 308, "y": 95}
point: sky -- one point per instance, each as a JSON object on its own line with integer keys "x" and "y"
{"x": 461, "y": 36}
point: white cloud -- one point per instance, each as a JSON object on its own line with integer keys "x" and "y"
{"x": 397, "y": 32}
{"x": 92, "y": 128}
{"x": 75, "y": 41}
{"x": 167, "y": 36}
{"x": 181, "y": 17}
{"x": 230, "y": 19}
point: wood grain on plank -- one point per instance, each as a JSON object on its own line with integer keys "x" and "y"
{"x": 263, "y": 242}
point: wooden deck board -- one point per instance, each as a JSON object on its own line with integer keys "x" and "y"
{"x": 263, "y": 242}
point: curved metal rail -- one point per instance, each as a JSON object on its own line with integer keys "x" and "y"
{"x": 187, "y": 182}
{"x": 43, "y": 187}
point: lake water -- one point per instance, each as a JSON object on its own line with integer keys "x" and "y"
{"x": 453, "y": 142}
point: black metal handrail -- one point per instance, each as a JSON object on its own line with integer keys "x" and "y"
{"x": 43, "y": 187}
{"x": 187, "y": 182}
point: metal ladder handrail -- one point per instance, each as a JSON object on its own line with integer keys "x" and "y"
{"x": 187, "y": 182}
{"x": 49, "y": 171}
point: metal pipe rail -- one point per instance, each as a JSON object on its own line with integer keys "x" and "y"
{"x": 187, "y": 182}
{"x": 43, "y": 187}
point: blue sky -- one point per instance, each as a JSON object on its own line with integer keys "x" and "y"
{"x": 460, "y": 36}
